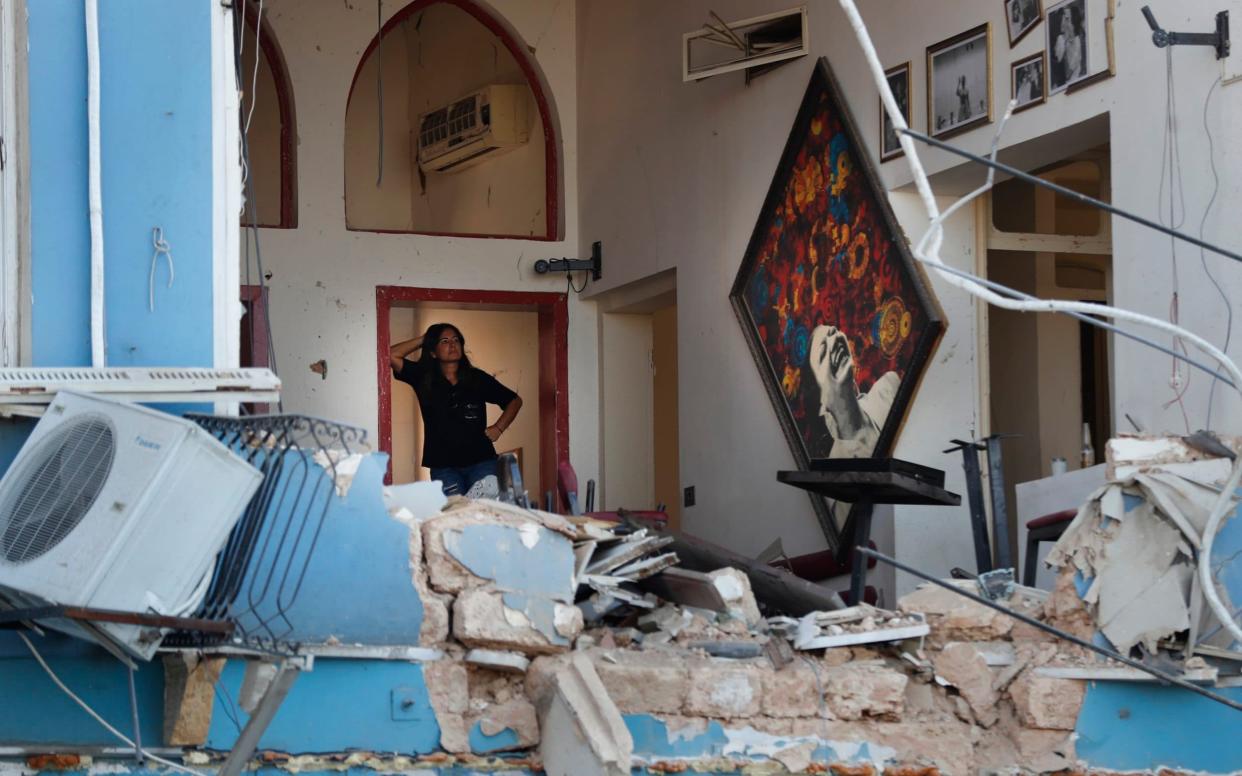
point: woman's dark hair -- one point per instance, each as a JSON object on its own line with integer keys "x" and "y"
{"x": 432, "y": 337}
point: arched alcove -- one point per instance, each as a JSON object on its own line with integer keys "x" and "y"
{"x": 271, "y": 130}
{"x": 431, "y": 55}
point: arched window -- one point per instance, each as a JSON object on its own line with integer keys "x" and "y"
{"x": 449, "y": 130}
{"x": 268, "y": 121}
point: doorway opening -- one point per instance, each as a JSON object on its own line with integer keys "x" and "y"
{"x": 640, "y": 448}
{"x": 1049, "y": 376}
{"x": 520, "y": 338}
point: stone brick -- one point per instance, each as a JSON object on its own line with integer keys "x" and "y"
{"x": 645, "y": 682}
{"x": 791, "y": 692}
{"x": 956, "y": 618}
{"x": 481, "y": 619}
{"x": 722, "y": 690}
{"x": 189, "y": 696}
{"x": 516, "y": 714}
{"x": 1046, "y": 702}
{"x": 855, "y": 691}
{"x": 964, "y": 666}
{"x": 448, "y": 690}
{"x": 734, "y": 588}
{"x": 949, "y": 746}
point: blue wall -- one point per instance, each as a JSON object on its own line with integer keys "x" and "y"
{"x": 156, "y": 144}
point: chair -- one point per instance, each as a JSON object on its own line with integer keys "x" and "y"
{"x": 1043, "y": 529}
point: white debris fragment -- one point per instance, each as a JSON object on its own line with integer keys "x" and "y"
{"x": 414, "y": 501}
{"x": 530, "y": 535}
{"x": 345, "y": 466}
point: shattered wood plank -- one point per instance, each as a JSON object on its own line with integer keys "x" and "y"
{"x": 621, "y": 554}
{"x": 646, "y": 567}
{"x": 685, "y": 587}
{"x": 582, "y": 557}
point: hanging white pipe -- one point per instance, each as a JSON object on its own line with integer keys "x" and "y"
{"x": 927, "y": 251}
{"x": 98, "y": 356}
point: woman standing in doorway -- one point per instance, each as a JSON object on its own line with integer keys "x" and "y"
{"x": 453, "y": 396}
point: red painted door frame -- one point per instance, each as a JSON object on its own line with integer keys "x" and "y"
{"x": 553, "y": 317}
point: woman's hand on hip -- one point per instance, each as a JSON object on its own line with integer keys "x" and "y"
{"x": 493, "y": 432}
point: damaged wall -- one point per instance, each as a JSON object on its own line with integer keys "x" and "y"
{"x": 693, "y": 174}
{"x": 324, "y": 276}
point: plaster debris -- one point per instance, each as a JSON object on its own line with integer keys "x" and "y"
{"x": 498, "y": 660}
{"x": 734, "y": 589}
{"x": 860, "y": 624}
{"x": 583, "y": 732}
{"x": 341, "y": 465}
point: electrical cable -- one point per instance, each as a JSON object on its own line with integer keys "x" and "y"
{"x": 258, "y": 58}
{"x": 379, "y": 88}
{"x": 1207, "y": 130}
{"x": 95, "y": 715}
{"x": 927, "y": 252}
{"x": 569, "y": 281}
{"x": 1171, "y": 170}
{"x": 161, "y": 248}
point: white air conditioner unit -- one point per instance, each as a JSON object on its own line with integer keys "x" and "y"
{"x": 116, "y": 506}
{"x": 475, "y": 128}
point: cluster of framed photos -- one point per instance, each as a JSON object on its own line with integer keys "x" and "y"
{"x": 959, "y": 70}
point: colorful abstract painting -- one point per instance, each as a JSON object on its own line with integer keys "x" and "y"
{"x": 838, "y": 315}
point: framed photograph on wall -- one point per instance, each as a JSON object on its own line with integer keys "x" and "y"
{"x": 959, "y": 82}
{"x": 899, "y": 81}
{"x": 1021, "y": 16}
{"x": 1027, "y": 81}
{"x": 1067, "y": 44}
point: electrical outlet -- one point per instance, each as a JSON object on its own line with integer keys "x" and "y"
{"x": 689, "y": 496}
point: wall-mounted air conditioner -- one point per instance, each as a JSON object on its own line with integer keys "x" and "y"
{"x": 116, "y": 506}
{"x": 475, "y": 128}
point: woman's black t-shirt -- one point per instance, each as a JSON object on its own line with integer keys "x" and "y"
{"x": 454, "y": 416}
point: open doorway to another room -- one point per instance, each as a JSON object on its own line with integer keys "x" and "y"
{"x": 519, "y": 338}
{"x": 640, "y": 450}
{"x": 1049, "y": 375}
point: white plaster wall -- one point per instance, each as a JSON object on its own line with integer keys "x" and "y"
{"x": 627, "y": 401}
{"x": 323, "y": 277}
{"x": 681, "y": 187}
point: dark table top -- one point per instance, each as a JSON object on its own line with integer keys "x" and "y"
{"x": 876, "y": 487}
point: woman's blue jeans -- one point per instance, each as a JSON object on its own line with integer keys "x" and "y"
{"x": 457, "y": 480}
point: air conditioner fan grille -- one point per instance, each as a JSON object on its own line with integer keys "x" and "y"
{"x": 55, "y": 487}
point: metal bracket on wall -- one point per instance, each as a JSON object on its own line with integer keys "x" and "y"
{"x": 594, "y": 265}
{"x": 1218, "y": 40}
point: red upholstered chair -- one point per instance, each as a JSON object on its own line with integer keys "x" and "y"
{"x": 1043, "y": 529}
{"x": 567, "y": 483}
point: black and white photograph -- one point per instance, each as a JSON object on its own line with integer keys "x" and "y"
{"x": 1026, "y": 81}
{"x": 899, "y": 81}
{"x": 959, "y": 82}
{"x": 1067, "y": 44}
{"x": 1021, "y": 16}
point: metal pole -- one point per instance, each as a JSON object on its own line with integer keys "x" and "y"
{"x": 862, "y": 535}
{"x": 139, "y": 756}
{"x": 1045, "y": 627}
{"x": 974, "y": 495}
{"x": 1070, "y": 193}
{"x": 1000, "y": 517}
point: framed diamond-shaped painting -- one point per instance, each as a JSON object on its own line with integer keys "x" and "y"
{"x": 839, "y": 317}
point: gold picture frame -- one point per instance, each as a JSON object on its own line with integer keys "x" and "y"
{"x": 959, "y": 82}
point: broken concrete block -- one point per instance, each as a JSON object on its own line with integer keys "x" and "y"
{"x": 490, "y": 619}
{"x": 448, "y": 690}
{"x": 583, "y": 733}
{"x": 792, "y": 692}
{"x": 516, "y": 715}
{"x": 948, "y": 745}
{"x": 856, "y": 691}
{"x": 724, "y": 689}
{"x": 435, "y": 625}
{"x": 734, "y": 588}
{"x": 472, "y": 546}
{"x": 953, "y": 617}
{"x": 1047, "y": 702}
{"x": 645, "y": 683}
{"x": 189, "y": 696}
{"x": 1045, "y": 751}
{"x": 965, "y": 667}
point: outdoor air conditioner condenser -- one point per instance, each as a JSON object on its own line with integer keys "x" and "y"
{"x": 117, "y": 506}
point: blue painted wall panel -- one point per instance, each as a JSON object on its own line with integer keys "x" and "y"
{"x": 340, "y": 705}
{"x": 156, "y": 125}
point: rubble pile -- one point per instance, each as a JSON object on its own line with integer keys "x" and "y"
{"x": 557, "y": 630}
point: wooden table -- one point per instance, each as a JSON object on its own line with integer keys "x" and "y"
{"x": 867, "y": 482}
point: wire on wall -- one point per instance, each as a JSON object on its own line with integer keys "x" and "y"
{"x": 1171, "y": 173}
{"x": 1207, "y": 211}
